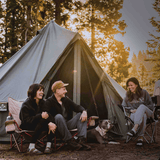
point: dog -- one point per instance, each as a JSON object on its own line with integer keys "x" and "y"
{"x": 99, "y": 133}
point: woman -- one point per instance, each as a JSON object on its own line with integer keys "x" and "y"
{"x": 33, "y": 118}
{"x": 141, "y": 107}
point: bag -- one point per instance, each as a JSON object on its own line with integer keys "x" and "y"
{"x": 9, "y": 125}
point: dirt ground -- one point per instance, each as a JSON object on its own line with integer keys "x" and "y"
{"x": 122, "y": 151}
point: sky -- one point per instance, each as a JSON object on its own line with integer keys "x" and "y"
{"x": 136, "y": 14}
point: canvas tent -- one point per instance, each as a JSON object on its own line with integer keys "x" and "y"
{"x": 56, "y": 53}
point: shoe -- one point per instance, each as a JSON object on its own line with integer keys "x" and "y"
{"x": 139, "y": 142}
{"x": 73, "y": 144}
{"x": 48, "y": 150}
{"x": 131, "y": 133}
{"x": 34, "y": 151}
{"x": 82, "y": 141}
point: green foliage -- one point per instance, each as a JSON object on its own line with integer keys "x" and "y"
{"x": 118, "y": 65}
{"x": 23, "y": 18}
{"x": 142, "y": 70}
{"x": 154, "y": 43}
{"x": 101, "y": 19}
{"x": 1, "y": 39}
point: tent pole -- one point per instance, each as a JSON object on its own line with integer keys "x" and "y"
{"x": 77, "y": 73}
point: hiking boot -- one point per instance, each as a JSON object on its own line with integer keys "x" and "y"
{"x": 73, "y": 144}
{"x": 34, "y": 151}
{"x": 48, "y": 150}
{"x": 82, "y": 141}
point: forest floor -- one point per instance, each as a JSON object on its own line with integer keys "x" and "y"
{"x": 122, "y": 151}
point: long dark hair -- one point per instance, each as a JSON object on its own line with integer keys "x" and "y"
{"x": 138, "y": 89}
{"x": 33, "y": 90}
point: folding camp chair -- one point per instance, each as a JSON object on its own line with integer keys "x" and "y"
{"x": 150, "y": 131}
{"x": 18, "y": 136}
{"x": 152, "y": 122}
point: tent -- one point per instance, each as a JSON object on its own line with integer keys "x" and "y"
{"x": 56, "y": 53}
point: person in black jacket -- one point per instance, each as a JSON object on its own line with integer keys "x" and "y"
{"x": 32, "y": 117}
{"x": 61, "y": 108}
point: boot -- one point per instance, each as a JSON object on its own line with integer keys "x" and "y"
{"x": 82, "y": 141}
{"x": 73, "y": 144}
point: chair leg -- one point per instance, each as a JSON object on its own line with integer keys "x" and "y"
{"x": 55, "y": 142}
{"x": 11, "y": 140}
{"x": 21, "y": 143}
{"x": 153, "y": 135}
{"x": 16, "y": 143}
{"x": 128, "y": 138}
{"x": 146, "y": 139}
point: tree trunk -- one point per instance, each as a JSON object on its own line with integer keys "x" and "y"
{"x": 92, "y": 30}
{"x": 57, "y": 12}
{"x": 27, "y": 34}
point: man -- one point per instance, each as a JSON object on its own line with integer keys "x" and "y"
{"x": 61, "y": 108}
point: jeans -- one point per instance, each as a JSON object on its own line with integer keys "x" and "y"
{"x": 140, "y": 117}
{"x": 64, "y": 127}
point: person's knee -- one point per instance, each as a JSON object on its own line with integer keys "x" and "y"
{"x": 79, "y": 114}
{"x": 142, "y": 106}
{"x": 58, "y": 118}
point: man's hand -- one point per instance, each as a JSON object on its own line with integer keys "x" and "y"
{"x": 83, "y": 117}
{"x": 52, "y": 127}
{"x": 133, "y": 110}
{"x": 44, "y": 115}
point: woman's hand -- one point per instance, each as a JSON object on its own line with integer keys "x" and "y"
{"x": 133, "y": 110}
{"x": 83, "y": 117}
{"x": 52, "y": 127}
{"x": 44, "y": 115}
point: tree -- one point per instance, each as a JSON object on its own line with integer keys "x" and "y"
{"x": 11, "y": 31}
{"x": 61, "y": 10}
{"x": 101, "y": 19}
{"x": 1, "y": 39}
{"x": 142, "y": 75}
{"x": 133, "y": 72}
{"x": 154, "y": 43}
{"x": 119, "y": 65}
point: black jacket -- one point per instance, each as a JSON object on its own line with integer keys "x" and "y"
{"x": 53, "y": 107}
{"x": 30, "y": 113}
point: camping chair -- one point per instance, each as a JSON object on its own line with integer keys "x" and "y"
{"x": 17, "y": 135}
{"x": 150, "y": 131}
{"x": 152, "y": 122}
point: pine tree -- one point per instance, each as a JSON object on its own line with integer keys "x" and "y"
{"x": 154, "y": 43}
{"x": 133, "y": 70}
{"x": 118, "y": 68}
{"x": 101, "y": 20}
{"x": 1, "y": 39}
{"x": 11, "y": 28}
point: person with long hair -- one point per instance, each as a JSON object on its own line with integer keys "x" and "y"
{"x": 34, "y": 118}
{"x": 140, "y": 106}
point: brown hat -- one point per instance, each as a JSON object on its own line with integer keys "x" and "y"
{"x": 58, "y": 85}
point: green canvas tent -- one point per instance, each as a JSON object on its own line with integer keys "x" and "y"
{"x": 56, "y": 53}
